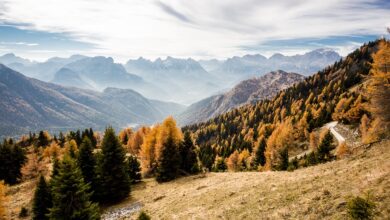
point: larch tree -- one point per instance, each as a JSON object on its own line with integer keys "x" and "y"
{"x": 3, "y": 201}
{"x": 379, "y": 84}
{"x": 281, "y": 137}
{"x": 147, "y": 153}
{"x": 233, "y": 162}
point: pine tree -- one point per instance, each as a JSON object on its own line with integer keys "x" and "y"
{"x": 168, "y": 162}
{"x": 42, "y": 201}
{"x": 283, "y": 159}
{"x": 61, "y": 139}
{"x": 259, "y": 156}
{"x": 12, "y": 158}
{"x": 56, "y": 167}
{"x": 43, "y": 139}
{"x": 189, "y": 162}
{"x": 86, "y": 161}
{"x": 133, "y": 169}
{"x": 325, "y": 147}
{"x": 206, "y": 156}
{"x": 220, "y": 165}
{"x": 71, "y": 197}
{"x": 113, "y": 178}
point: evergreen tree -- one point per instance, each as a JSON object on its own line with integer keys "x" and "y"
{"x": 86, "y": 161}
{"x": 259, "y": 155}
{"x": 12, "y": 158}
{"x": 189, "y": 162}
{"x": 133, "y": 169}
{"x": 311, "y": 159}
{"x": 206, "y": 156}
{"x": 61, "y": 139}
{"x": 113, "y": 179}
{"x": 325, "y": 147}
{"x": 168, "y": 162}
{"x": 42, "y": 201}
{"x": 220, "y": 165}
{"x": 43, "y": 140}
{"x": 92, "y": 137}
{"x": 71, "y": 197}
{"x": 56, "y": 167}
{"x": 283, "y": 159}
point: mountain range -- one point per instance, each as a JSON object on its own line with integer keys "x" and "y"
{"x": 236, "y": 69}
{"x": 246, "y": 92}
{"x": 171, "y": 79}
{"x": 31, "y": 104}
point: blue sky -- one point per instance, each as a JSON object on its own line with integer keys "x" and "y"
{"x": 123, "y": 29}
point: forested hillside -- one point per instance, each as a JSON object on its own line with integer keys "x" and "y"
{"x": 273, "y": 127}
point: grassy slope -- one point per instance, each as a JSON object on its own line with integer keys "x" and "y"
{"x": 318, "y": 192}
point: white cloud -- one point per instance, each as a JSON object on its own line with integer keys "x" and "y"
{"x": 202, "y": 28}
{"x": 19, "y": 43}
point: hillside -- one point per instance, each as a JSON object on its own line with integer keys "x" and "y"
{"x": 318, "y": 192}
{"x": 30, "y": 104}
{"x": 320, "y": 98}
{"x": 245, "y": 92}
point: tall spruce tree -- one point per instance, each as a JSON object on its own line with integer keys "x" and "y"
{"x": 42, "y": 201}
{"x": 133, "y": 169}
{"x": 86, "y": 160}
{"x": 283, "y": 159}
{"x": 206, "y": 156}
{"x": 168, "y": 162}
{"x": 113, "y": 179}
{"x": 12, "y": 158}
{"x": 189, "y": 162}
{"x": 323, "y": 151}
{"x": 259, "y": 154}
{"x": 71, "y": 197}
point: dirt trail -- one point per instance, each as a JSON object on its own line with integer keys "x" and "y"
{"x": 331, "y": 126}
{"x": 338, "y": 136}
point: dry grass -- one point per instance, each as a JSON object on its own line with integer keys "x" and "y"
{"x": 318, "y": 192}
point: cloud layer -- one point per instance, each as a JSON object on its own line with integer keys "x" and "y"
{"x": 202, "y": 28}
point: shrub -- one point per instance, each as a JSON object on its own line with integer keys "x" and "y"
{"x": 23, "y": 212}
{"x": 360, "y": 208}
{"x": 143, "y": 216}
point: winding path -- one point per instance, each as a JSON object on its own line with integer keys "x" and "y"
{"x": 338, "y": 136}
{"x": 330, "y": 126}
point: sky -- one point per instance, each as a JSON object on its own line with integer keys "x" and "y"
{"x": 201, "y": 29}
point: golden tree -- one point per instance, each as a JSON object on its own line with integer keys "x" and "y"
{"x": 233, "y": 162}
{"x": 3, "y": 201}
{"x": 136, "y": 140}
{"x": 281, "y": 137}
{"x": 147, "y": 153}
{"x": 379, "y": 85}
